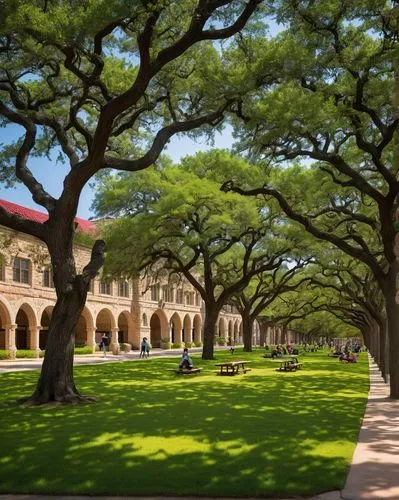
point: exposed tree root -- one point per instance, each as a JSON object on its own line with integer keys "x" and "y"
{"x": 66, "y": 400}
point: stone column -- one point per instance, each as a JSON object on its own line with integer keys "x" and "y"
{"x": 91, "y": 338}
{"x": 10, "y": 340}
{"x": 115, "y": 347}
{"x": 34, "y": 333}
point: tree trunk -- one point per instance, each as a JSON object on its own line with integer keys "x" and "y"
{"x": 211, "y": 316}
{"x": 247, "y": 323}
{"x": 384, "y": 363}
{"x": 392, "y": 309}
{"x": 56, "y": 383}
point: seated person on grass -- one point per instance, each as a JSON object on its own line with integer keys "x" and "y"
{"x": 185, "y": 362}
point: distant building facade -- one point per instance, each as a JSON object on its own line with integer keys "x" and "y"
{"x": 127, "y": 310}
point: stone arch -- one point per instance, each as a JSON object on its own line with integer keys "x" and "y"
{"x": 44, "y": 324}
{"x": 186, "y": 332}
{"x": 25, "y": 321}
{"x": 5, "y": 320}
{"x": 222, "y": 328}
{"x": 175, "y": 326}
{"x": 197, "y": 325}
{"x": 256, "y": 333}
{"x": 158, "y": 328}
{"x": 230, "y": 334}
{"x": 84, "y": 328}
{"x": 236, "y": 332}
{"x": 105, "y": 323}
{"x": 124, "y": 327}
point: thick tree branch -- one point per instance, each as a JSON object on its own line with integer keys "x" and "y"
{"x": 39, "y": 195}
{"x": 358, "y": 253}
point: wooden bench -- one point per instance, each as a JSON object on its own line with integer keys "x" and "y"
{"x": 187, "y": 371}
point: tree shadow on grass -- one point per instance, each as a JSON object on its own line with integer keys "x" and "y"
{"x": 154, "y": 433}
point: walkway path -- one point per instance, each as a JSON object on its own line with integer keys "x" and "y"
{"x": 373, "y": 475}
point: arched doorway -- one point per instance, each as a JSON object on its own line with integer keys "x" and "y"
{"x": 21, "y": 332}
{"x": 123, "y": 328}
{"x": 44, "y": 323}
{"x": 24, "y": 320}
{"x": 5, "y": 321}
{"x": 222, "y": 328}
{"x": 175, "y": 326}
{"x": 155, "y": 329}
{"x": 104, "y": 324}
{"x": 231, "y": 332}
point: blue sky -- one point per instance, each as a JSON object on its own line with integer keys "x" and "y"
{"x": 51, "y": 174}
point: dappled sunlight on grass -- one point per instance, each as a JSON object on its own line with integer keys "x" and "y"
{"x": 156, "y": 433}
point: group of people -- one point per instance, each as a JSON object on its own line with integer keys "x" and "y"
{"x": 348, "y": 353}
{"x": 281, "y": 350}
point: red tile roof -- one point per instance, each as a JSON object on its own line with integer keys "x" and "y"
{"x": 34, "y": 215}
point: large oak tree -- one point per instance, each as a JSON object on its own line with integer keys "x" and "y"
{"x": 333, "y": 102}
{"x": 104, "y": 84}
{"x": 175, "y": 220}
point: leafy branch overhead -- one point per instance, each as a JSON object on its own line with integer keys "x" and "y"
{"x": 107, "y": 86}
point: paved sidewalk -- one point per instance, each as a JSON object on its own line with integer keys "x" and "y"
{"x": 23, "y": 364}
{"x": 373, "y": 475}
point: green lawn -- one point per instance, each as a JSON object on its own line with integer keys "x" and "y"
{"x": 264, "y": 433}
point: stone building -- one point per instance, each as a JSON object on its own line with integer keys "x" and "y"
{"x": 126, "y": 310}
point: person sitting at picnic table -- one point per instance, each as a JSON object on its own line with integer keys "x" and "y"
{"x": 349, "y": 358}
{"x": 277, "y": 352}
{"x": 185, "y": 362}
{"x": 289, "y": 348}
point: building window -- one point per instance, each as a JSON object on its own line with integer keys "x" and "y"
{"x": 91, "y": 286}
{"x": 48, "y": 278}
{"x": 167, "y": 293}
{"x": 123, "y": 288}
{"x": 155, "y": 292}
{"x": 20, "y": 270}
{"x": 105, "y": 288}
{"x": 179, "y": 295}
{"x": 197, "y": 299}
{"x": 190, "y": 298}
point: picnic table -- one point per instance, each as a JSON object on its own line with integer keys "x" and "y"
{"x": 290, "y": 365}
{"x": 233, "y": 367}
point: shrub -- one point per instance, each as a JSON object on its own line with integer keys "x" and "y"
{"x": 126, "y": 347}
{"x": 220, "y": 341}
{"x": 189, "y": 344}
{"x": 4, "y": 354}
{"x": 177, "y": 345}
{"x": 83, "y": 350}
{"x": 26, "y": 353}
{"x": 198, "y": 344}
{"x": 165, "y": 344}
